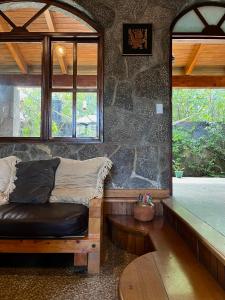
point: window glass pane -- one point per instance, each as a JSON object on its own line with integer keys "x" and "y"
{"x": 86, "y": 115}
{"x": 189, "y": 23}
{"x": 87, "y": 60}
{"x": 212, "y": 14}
{"x": 62, "y": 54}
{"x": 223, "y": 26}
{"x": 62, "y": 114}
{"x": 20, "y": 89}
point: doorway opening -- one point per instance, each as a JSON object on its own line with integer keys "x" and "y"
{"x": 198, "y": 111}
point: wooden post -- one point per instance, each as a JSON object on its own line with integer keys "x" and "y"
{"x": 95, "y": 232}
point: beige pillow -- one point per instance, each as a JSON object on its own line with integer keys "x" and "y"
{"x": 7, "y": 177}
{"x": 79, "y": 181}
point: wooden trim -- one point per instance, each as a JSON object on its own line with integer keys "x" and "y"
{"x": 46, "y": 81}
{"x": 75, "y": 82}
{"x": 198, "y": 81}
{"x": 84, "y": 82}
{"x": 159, "y": 194}
{"x": 73, "y": 245}
{"x": 100, "y": 83}
{"x": 194, "y": 58}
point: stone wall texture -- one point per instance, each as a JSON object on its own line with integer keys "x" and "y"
{"x": 136, "y": 139}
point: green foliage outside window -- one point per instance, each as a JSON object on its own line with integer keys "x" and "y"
{"x": 197, "y": 105}
{"x": 203, "y": 155}
{"x": 30, "y": 113}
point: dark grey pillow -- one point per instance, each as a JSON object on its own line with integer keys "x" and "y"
{"x": 35, "y": 181}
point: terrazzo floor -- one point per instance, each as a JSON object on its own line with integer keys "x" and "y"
{"x": 48, "y": 277}
{"x": 204, "y": 197}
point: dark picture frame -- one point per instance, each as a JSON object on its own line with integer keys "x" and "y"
{"x": 137, "y": 39}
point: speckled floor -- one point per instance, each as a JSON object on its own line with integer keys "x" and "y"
{"x": 48, "y": 277}
{"x": 204, "y": 197}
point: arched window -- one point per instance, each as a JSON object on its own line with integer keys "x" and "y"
{"x": 50, "y": 73}
{"x": 202, "y": 19}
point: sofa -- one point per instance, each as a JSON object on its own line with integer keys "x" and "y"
{"x": 53, "y": 206}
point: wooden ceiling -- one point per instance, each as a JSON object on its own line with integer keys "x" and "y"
{"x": 26, "y": 58}
{"x": 199, "y": 58}
{"x": 47, "y": 21}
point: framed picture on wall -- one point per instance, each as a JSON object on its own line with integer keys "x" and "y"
{"x": 137, "y": 39}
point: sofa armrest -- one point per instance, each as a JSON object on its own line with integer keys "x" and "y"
{"x": 95, "y": 218}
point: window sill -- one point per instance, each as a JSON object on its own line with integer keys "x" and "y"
{"x": 51, "y": 140}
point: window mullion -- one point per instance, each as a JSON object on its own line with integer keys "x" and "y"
{"x": 74, "y": 88}
{"x": 46, "y": 75}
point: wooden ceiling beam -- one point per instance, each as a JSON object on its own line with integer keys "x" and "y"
{"x": 49, "y": 20}
{"x": 51, "y": 26}
{"x": 14, "y": 50}
{"x": 192, "y": 63}
{"x": 199, "y": 81}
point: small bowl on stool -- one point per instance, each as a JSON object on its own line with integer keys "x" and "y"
{"x": 144, "y": 212}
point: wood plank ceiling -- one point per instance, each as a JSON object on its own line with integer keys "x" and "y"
{"x": 199, "y": 63}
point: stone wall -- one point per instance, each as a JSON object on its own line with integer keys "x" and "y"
{"x": 135, "y": 138}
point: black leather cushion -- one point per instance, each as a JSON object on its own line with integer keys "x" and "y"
{"x": 35, "y": 181}
{"x": 43, "y": 220}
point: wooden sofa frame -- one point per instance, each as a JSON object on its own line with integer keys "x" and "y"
{"x": 86, "y": 250}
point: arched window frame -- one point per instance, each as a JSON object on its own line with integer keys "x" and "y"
{"x": 21, "y": 35}
{"x": 208, "y": 31}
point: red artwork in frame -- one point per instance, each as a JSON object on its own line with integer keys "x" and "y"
{"x": 137, "y": 39}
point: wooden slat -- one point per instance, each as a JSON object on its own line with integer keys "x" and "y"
{"x": 199, "y": 81}
{"x": 14, "y": 50}
{"x": 49, "y": 246}
{"x": 193, "y": 60}
{"x": 129, "y": 193}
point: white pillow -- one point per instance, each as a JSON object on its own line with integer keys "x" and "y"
{"x": 79, "y": 181}
{"x": 7, "y": 177}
